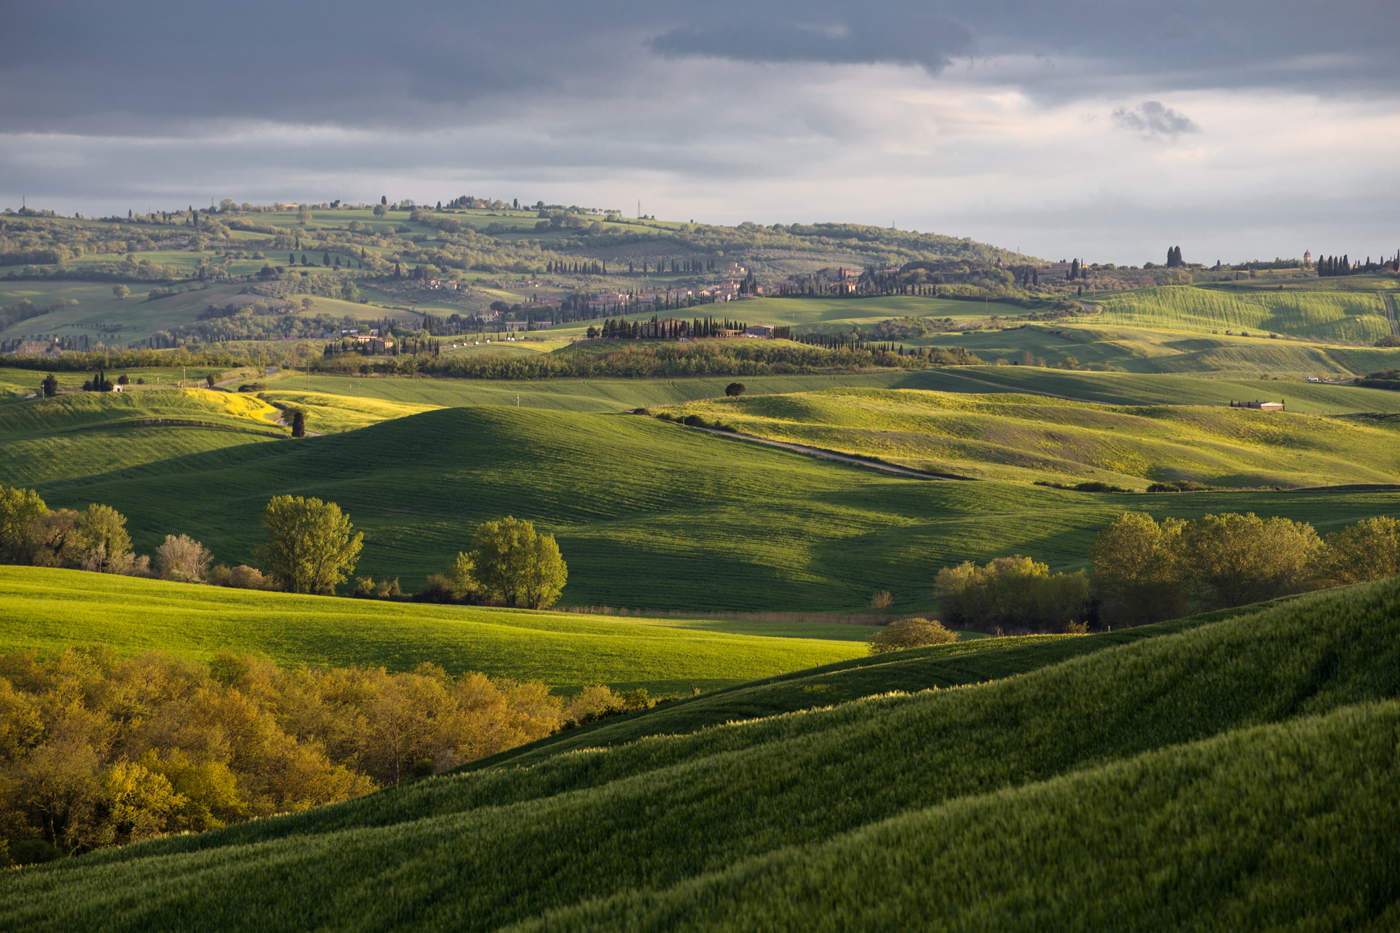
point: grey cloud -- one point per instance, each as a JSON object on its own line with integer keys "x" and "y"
{"x": 104, "y": 66}
{"x": 1152, "y": 118}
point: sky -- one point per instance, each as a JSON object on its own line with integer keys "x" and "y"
{"x": 1101, "y": 129}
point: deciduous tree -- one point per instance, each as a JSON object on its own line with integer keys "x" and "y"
{"x": 1368, "y": 550}
{"x": 1137, "y": 578}
{"x": 515, "y": 564}
{"x": 311, "y": 544}
{"x": 21, "y": 528}
{"x": 182, "y": 558}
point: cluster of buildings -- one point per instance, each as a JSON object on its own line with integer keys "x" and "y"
{"x": 670, "y": 297}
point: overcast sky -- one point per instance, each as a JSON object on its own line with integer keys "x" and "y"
{"x": 1107, "y": 129}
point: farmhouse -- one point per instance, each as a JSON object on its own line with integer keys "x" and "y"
{"x": 762, "y": 331}
{"x": 1262, "y": 406}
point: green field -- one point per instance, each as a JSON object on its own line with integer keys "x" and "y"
{"x": 1240, "y": 772}
{"x": 95, "y": 311}
{"x": 88, "y": 434}
{"x": 582, "y": 395}
{"x": 47, "y": 610}
{"x": 1155, "y": 388}
{"x": 1033, "y": 438}
{"x": 1340, "y": 314}
{"x": 648, "y": 514}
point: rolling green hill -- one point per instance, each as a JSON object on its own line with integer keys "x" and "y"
{"x": 1033, "y": 438}
{"x": 78, "y": 435}
{"x": 1237, "y": 772}
{"x": 648, "y": 515}
{"x": 47, "y": 610}
{"x": 1326, "y": 315}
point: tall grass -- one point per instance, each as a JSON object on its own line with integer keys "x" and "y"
{"x": 1215, "y": 773}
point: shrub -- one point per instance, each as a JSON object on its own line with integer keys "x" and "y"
{"x": 250, "y": 578}
{"x": 593, "y": 702}
{"x": 182, "y": 558}
{"x": 911, "y": 633}
{"x": 881, "y": 599}
{"x": 437, "y": 589}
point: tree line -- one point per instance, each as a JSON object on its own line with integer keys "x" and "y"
{"x": 669, "y": 329}
{"x": 1342, "y": 265}
{"x": 1143, "y": 570}
{"x": 311, "y": 547}
{"x": 710, "y": 358}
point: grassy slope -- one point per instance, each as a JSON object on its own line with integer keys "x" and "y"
{"x": 648, "y": 515}
{"x": 563, "y": 394}
{"x": 47, "y": 610}
{"x": 1239, "y": 771}
{"x": 1030, "y": 438}
{"x": 1328, "y": 315}
{"x": 70, "y": 436}
{"x": 1157, "y": 388}
{"x": 1099, "y": 344}
{"x": 113, "y": 320}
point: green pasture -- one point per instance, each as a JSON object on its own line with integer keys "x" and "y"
{"x": 1240, "y": 770}
{"x": 1031, "y": 438}
{"x": 597, "y": 395}
{"x": 648, "y": 514}
{"x": 832, "y": 313}
{"x": 90, "y": 433}
{"x": 1091, "y": 344}
{"x": 1156, "y": 388}
{"x": 101, "y": 315}
{"x": 47, "y": 610}
{"x": 1326, "y": 315}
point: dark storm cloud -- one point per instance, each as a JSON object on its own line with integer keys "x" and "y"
{"x": 128, "y": 66}
{"x": 1154, "y": 118}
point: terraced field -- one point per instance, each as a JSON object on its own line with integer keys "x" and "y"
{"x": 1033, "y": 438}
{"x": 1255, "y": 752}
{"x": 47, "y": 610}
{"x": 648, "y": 514}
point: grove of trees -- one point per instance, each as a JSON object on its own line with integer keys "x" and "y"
{"x": 1012, "y": 593}
{"x": 97, "y": 750}
{"x": 1145, "y": 570}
